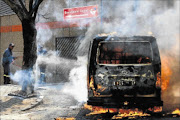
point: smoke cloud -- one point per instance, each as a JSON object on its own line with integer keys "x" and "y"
{"x": 126, "y": 18}
{"x": 78, "y": 84}
{"x": 44, "y": 35}
{"x": 145, "y": 18}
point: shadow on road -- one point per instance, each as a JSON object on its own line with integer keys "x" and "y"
{"x": 10, "y": 103}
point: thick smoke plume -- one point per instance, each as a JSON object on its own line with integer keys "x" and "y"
{"x": 126, "y": 18}
{"x": 78, "y": 84}
{"x": 145, "y": 18}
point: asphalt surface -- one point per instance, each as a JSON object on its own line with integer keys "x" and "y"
{"x": 49, "y": 104}
{"x": 52, "y": 103}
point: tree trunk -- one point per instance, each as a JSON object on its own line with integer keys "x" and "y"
{"x": 29, "y": 55}
{"x": 30, "y": 48}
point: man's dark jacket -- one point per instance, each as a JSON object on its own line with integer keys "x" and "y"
{"x": 7, "y": 57}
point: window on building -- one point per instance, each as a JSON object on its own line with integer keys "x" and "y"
{"x": 5, "y": 9}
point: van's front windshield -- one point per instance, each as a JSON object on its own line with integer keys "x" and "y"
{"x": 124, "y": 53}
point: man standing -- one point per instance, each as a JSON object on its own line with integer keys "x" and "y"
{"x": 7, "y": 60}
{"x": 42, "y": 66}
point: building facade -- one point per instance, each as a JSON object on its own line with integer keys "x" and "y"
{"x": 11, "y": 29}
{"x": 53, "y": 28}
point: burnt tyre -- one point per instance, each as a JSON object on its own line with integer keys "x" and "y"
{"x": 90, "y": 93}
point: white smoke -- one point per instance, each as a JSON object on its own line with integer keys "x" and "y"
{"x": 73, "y": 3}
{"x": 77, "y": 87}
{"x": 48, "y": 11}
{"x": 134, "y": 17}
{"x": 131, "y": 18}
{"x": 44, "y": 35}
{"x": 126, "y": 17}
{"x": 52, "y": 58}
{"x": 25, "y": 78}
{"x": 52, "y": 61}
{"x": 17, "y": 77}
{"x": 166, "y": 27}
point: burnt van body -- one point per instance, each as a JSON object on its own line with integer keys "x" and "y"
{"x": 124, "y": 71}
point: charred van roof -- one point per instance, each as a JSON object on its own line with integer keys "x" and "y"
{"x": 150, "y": 39}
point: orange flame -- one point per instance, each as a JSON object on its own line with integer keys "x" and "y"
{"x": 99, "y": 110}
{"x": 156, "y": 109}
{"x": 166, "y": 72}
{"x": 158, "y": 82}
{"x": 177, "y": 111}
{"x": 168, "y": 59}
{"x": 130, "y": 113}
{"x": 122, "y": 113}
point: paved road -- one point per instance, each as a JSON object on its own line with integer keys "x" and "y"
{"x": 55, "y": 104}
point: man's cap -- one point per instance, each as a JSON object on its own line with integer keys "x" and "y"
{"x": 11, "y": 44}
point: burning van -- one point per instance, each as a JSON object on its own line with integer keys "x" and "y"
{"x": 124, "y": 72}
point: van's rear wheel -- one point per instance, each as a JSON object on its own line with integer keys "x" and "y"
{"x": 145, "y": 91}
{"x": 90, "y": 93}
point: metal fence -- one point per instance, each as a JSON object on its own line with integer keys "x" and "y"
{"x": 5, "y": 9}
{"x": 67, "y": 48}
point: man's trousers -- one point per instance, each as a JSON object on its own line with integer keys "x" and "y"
{"x": 7, "y": 74}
